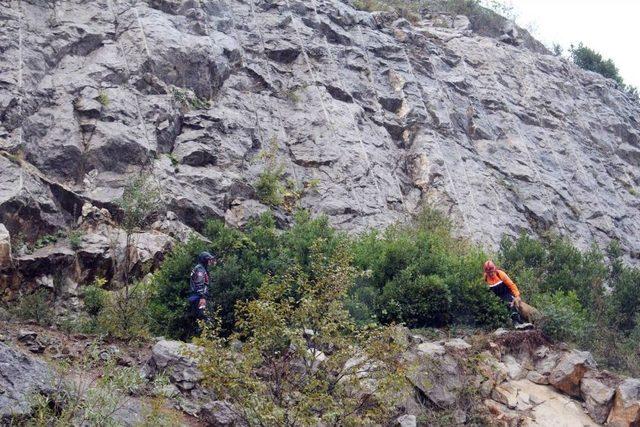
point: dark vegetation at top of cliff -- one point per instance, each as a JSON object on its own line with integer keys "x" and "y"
{"x": 589, "y": 59}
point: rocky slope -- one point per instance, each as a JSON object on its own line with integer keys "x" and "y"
{"x": 514, "y": 378}
{"x": 383, "y": 115}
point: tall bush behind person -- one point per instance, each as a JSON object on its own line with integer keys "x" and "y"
{"x": 420, "y": 274}
{"x": 247, "y": 257}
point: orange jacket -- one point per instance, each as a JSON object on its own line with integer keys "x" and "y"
{"x": 501, "y": 276}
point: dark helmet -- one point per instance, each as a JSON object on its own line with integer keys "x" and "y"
{"x": 204, "y": 257}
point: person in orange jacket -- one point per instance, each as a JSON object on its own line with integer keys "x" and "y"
{"x": 501, "y": 285}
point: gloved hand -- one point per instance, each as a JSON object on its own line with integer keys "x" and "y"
{"x": 202, "y": 304}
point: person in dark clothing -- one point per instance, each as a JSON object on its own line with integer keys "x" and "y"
{"x": 199, "y": 285}
{"x": 501, "y": 285}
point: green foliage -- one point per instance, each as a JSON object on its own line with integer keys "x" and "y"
{"x": 555, "y": 265}
{"x": 103, "y": 98}
{"x": 139, "y": 201}
{"x": 408, "y": 9}
{"x": 188, "y": 100}
{"x": 589, "y": 59}
{"x": 416, "y": 301}
{"x": 35, "y": 306}
{"x": 269, "y": 186}
{"x": 624, "y": 300}
{"x": 75, "y": 239}
{"x": 420, "y": 274}
{"x": 248, "y": 256}
{"x": 95, "y": 297}
{"x": 280, "y": 376}
{"x": 48, "y": 239}
{"x": 126, "y": 315}
{"x": 565, "y": 319}
{"x": 580, "y": 292}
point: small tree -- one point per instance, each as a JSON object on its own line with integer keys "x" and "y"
{"x": 303, "y": 360}
{"x": 139, "y": 202}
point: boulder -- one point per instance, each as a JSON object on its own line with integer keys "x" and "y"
{"x": 5, "y": 249}
{"x": 597, "y": 397}
{"x": 20, "y": 377}
{"x": 220, "y": 413}
{"x": 566, "y": 376}
{"x": 515, "y": 371}
{"x": 241, "y": 211}
{"x": 538, "y": 378}
{"x": 176, "y": 359}
{"x": 439, "y": 378}
{"x": 431, "y": 349}
{"x": 406, "y": 421}
{"x": 457, "y": 344}
{"x": 546, "y": 359}
{"x": 626, "y": 405}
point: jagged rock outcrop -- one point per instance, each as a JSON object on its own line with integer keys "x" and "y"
{"x": 5, "y": 248}
{"x": 21, "y": 378}
{"x": 626, "y": 405}
{"x": 174, "y": 359}
{"x": 384, "y": 115}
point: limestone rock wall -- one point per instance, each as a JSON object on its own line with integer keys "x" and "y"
{"x": 383, "y": 115}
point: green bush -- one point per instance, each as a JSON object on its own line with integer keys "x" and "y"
{"x": 420, "y": 274}
{"x": 589, "y": 59}
{"x": 564, "y": 317}
{"x": 416, "y": 301}
{"x": 624, "y": 300}
{"x": 36, "y": 306}
{"x": 269, "y": 187}
{"x": 95, "y": 297}
{"x": 247, "y": 257}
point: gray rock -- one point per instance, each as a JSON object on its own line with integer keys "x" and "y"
{"x": 457, "y": 344}
{"x": 220, "y": 414}
{"x": 598, "y": 398}
{"x": 383, "y": 113}
{"x": 407, "y": 421}
{"x": 567, "y": 375}
{"x": 20, "y": 377}
{"x": 241, "y": 211}
{"x": 440, "y": 378}
{"x": 537, "y": 378}
{"x": 5, "y": 249}
{"x": 515, "y": 371}
{"x": 174, "y": 359}
{"x": 431, "y": 349}
{"x": 626, "y": 404}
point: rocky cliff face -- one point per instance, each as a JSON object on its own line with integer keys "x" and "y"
{"x": 383, "y": 115}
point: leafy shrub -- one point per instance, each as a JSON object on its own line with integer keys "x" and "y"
{"x": 420, "y": 274}
{"x": 269, "y": 186}
{"x": 416, "y": 301}
{"x": 247, "y": 257}
{"x": 564, "y": 317}
{"x": 624, "y": 300}
{"x": 126, "y": 315}
{"x": 36, "y": 307}
{"x": 75, "y": 239}
{"x": 589, "y": 59}
{"x": 555, "y": 265}
{"x": 95, "y": 297}
{"x": 280, "y": 375}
